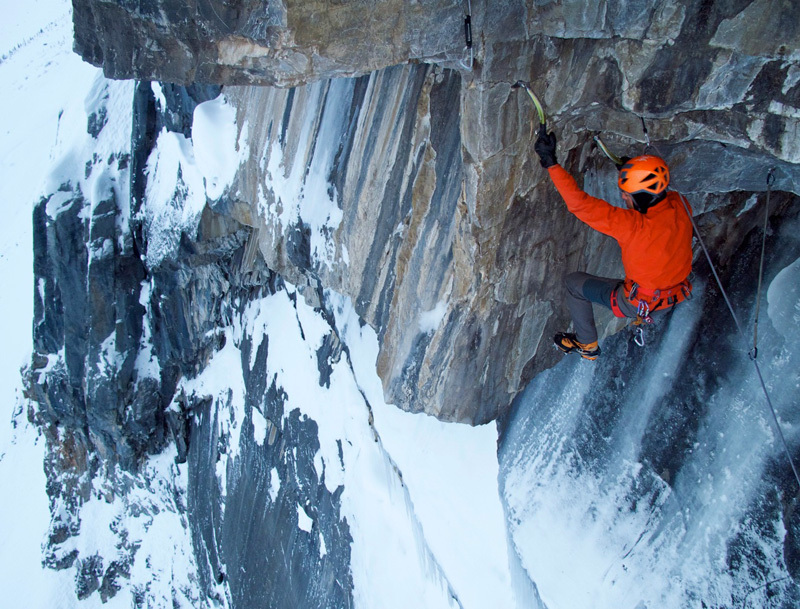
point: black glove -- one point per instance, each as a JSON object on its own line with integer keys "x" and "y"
{"x": 545, "y": 147}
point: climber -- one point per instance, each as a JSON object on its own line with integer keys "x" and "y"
{"x": 654, "y": 233}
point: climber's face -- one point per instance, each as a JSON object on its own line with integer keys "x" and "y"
{"x": 626, "y": 196}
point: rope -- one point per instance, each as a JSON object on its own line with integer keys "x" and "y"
{"x": 770, "y": 180}
{"x": 741, "y": 332}
{"x": 764, "y": 585}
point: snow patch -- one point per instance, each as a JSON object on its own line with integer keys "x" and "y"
{"x": 407, "y": 547}
{"x": 182, "y": 174}
{"x": 259, "y": 427}
{"x": 174, "y": 196}
{"x": 222, "y": 380}
{"x": 109, "y": 359}
{"x": 158, "y": 92}
{"x": 755, "y": 129}
{"x": 748, "y": 205}
{"x": 792, "y": 78}
{"x": 147, "y": 365}
{"x": 274, "y": 484}
{"x": 59, "y": 202}
{"x": 450, "y": 472}
{"x": 776, "y": 107}
{"x": 429, "y": 321}
{"x": 304, "y": 521}
{"x": 219, "y": 148}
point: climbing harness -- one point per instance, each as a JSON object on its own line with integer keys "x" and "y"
{"x": 754, "y": 352}
{"x": 652, "y": 300}
{"x": 648, "y": 301}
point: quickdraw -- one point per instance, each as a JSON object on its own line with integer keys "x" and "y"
{"x": 643, "y": 312}
{"x": 638, "y": 332}
{"x": 642, "y": 317}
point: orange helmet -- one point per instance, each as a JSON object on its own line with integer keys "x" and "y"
{"x": 644, "y": 174}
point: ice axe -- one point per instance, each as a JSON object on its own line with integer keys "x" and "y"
{"x": 521, "y": 84}
{"x": 619, "y": 162}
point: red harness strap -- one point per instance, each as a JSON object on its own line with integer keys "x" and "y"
{"x": 651, "y": 300}
{"x": 615, "y": 304}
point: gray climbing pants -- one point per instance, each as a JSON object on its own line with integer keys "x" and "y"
{"x": 583, "y": 290}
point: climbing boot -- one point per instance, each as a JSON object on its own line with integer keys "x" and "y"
{"x": 568, "y": 343}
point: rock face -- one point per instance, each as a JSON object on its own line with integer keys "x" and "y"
{"x": 387, "y": 148}
{"x": 477, "y": 240}
{"x": 445, "y": 214}
{"x": 275, "y": 43}
{"x": 440, "y": 225}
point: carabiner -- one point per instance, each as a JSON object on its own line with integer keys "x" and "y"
{"x": 643, "y": 311}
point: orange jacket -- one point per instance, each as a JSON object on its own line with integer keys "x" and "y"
{"x": 656, "y": 247}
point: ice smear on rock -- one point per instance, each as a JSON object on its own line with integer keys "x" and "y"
{"x": 219, "y": 148}
{"x": 651, "y": 477}
{"x": 783, "y": 297}
{"x": 298, "y": 189}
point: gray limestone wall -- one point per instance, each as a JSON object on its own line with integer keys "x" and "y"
{"x": 502, "y": 240}
{"x": 442, "y": 199}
